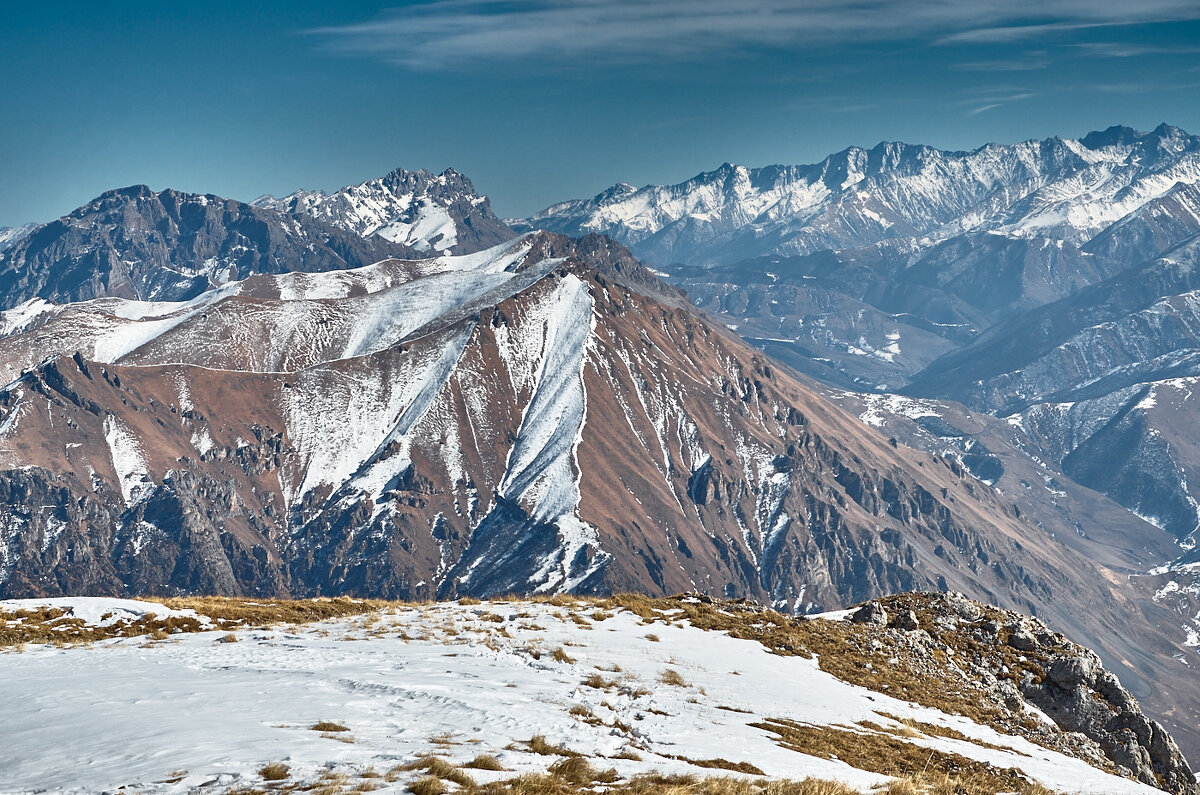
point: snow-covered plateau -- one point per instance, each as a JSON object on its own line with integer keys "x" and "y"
{"x": 648, "y": 693}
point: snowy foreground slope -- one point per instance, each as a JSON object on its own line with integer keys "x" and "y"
{"x": 641, "y": 690}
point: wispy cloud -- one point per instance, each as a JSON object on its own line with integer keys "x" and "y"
{"x": 1140, "y": 87}
{"x": 1108, "y": 49}
{"x": 1028, "y": 62}
{"x": 981, "y": 102}
{"x": 981, "y": 109}
{"x": 443, "y": 33}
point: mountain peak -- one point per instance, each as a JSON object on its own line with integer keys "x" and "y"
{"x": 1116, "y": 135}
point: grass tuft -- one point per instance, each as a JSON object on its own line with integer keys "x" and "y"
{"x": 328, "y": 726}
{"x": 428, "y": 785}
{"x": 276, "y": 771}
{"x": 539, "y": 745}
{"x": 672, "y": 677}
{"x": 599, "y": 682}
{"x": 578, "y": 770}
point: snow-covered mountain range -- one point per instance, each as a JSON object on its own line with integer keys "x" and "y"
{"x": 11, "y": 235}
{"x": 172, "y": 246}
{"x": 1059, "y": 189}
{"x": 349, "y": 393}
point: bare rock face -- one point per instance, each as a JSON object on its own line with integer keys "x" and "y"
{"x": 1018, "y": 660}
{"x": 871, "y": 613}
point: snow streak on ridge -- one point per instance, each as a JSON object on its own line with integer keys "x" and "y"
{"x": 542, "y": 470}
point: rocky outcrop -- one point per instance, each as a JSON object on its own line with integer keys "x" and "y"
{"x": 1015, "y": 660}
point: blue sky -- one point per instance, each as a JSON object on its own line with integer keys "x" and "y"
{"x": 554, "y": 99}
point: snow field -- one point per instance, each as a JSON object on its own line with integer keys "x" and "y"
{"x": 440, "y": 679}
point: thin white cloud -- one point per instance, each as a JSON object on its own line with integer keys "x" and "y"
{"x": 983, "y": 101}
{"x": 1119, "y": 50}
{"x": 983, "y": 108}
{"x": 444, "y": 33}
{"x": 1028, "y": 63}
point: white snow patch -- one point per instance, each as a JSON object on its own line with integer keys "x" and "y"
{"x": 879, "y": 407}
{"x": 433, "y": 228}
{"x": 23, "y": 315}
{"x": 100, "y": 611}
{"x": 128, "y": 461}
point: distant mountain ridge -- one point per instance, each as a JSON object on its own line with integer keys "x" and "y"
{"x": 172, "y": 246}
{"x": 432, "y": 213}
{"x": 1059, "y": 188}
{"x": 11, "y": 235}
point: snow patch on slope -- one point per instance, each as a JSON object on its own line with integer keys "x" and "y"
{"x": 877, "y": 408}
{"x": 433, "y": 228}
{"x": 22, "y": 316}
{"x": 101, "y": 611}
{"x": 338, "y": 421}
{"x": 128, "y": 460}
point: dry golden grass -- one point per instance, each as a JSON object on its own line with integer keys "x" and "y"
{"x": 672, "y": 677}
{"x": 578, "y": 770}
{"x": 485, "y": 762}
{"x": 328, "y": 726}
{"x": 883, "y": 752}
{"x": 539, "y": 745}
{"x": 724, "y": 764}
{"x": 276, "y": 771}
{"x": 915, "y": 727}
{"x": 55, "y": 626}
{"x": 428, "y": 785}
{"x": 599, "y": 682}
{"x": 656, "y": 784}
{"x": 270, "y": 612}
{"x": 439, "y": 768}
{"x": 843, "y": 649}
{"x": 561, "y": 656}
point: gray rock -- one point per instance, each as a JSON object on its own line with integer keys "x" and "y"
{"x": 870, "y": 613}
{"x": 906, "y": 620}
{"x": 1022, "y": 641}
